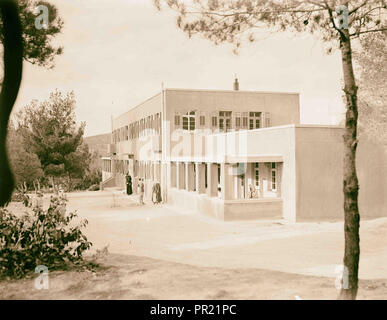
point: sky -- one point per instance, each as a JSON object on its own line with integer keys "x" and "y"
{"x": 117, "y": 53}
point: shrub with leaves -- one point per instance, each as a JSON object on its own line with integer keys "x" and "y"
{"x": 50, "y": 238}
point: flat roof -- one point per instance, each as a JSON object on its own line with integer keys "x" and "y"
{"x": 205, "y": 90}
{"x": 231, "y": 91}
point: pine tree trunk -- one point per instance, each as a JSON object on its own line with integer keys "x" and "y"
{"x": 350, "y": 181}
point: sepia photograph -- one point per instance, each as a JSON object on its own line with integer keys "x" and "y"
{"x": 177, "y": 151}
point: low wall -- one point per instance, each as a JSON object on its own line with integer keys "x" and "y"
{"x": 225, "y": 210}
{"x": 253, "y": 209}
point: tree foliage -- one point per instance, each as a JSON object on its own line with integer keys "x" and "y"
{"x": 25, "y": 165}
{"x": 237, "y": 21}
{"x": 50, "y": 131}
{"x": 41, "y": 237}
{"x": 38, "y": 43}
{"x": 371, "y": 62}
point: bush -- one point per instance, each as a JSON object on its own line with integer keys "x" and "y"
{"x": 94, "y": 187}
{"x": 90, "y": 179}
{"x": 47, "y": 238}
{"x": 17, "y": 197}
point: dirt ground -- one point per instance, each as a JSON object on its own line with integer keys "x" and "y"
{"x": 160, "y": 252}
{"x": 133, "y": 277}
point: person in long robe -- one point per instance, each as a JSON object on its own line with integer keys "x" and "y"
{"x": 129, "y": 190}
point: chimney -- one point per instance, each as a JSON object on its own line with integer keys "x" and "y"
{"x": 236, "y": 84}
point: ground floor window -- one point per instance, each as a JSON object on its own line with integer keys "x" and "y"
{"x": 219, "y": 177}
{"x": 256, "y": 174}
{"x": 205, "y": 176}
{"x": 273, "y": 176}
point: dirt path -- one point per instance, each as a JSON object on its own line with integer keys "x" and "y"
{"x": 159, "y": 252}
{"x": 166, "y": 233}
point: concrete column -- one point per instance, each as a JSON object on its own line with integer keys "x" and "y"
{"x": 157, "y": 171}
{"x": 245, "y": 190}
{"x": 180, "y": 175}
{"x": 212, "y": 179}
{"x": 200, "y": 178}
{"x": 143, "y": 171}
{"x": 152, "y": 170}
{"x": 262, "y": 175}
{"x": 189, "y": 176}
{"x": 239, "y": 191}
{"x": 113, "y": 162}
{"x": 172, "y": 175}
{"x": 226, "y": 184}
{"x": 134, "y": 185}
{"x": 139, "y": 168}
{"x": 279, "y": 179}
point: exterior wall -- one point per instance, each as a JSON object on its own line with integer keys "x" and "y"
{"x": 253, "y": 209}
{"x": 283, "y": 108}
{"x": 275, "y": 144}
{"x": 372, "y": 174}
{"x": 226, "y": 210}
{"x": 197, "y": 203}
{"x": 319, "y": 171}
{"x": 267, "y": 142}
{"x": 144, "y": 148}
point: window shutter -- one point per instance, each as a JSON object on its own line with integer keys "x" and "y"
{"x": 214, "y": 120}
{"x": 245, "y": 120}
{"x": 237, "y": 120}
{"x": 202, "y": 119}
{"x": 267, "y": 119}
{"x": 178, "y": 120}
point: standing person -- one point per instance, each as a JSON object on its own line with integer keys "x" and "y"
{"x": 129, "y": 190}
{"x": 142, "y": 189}
{"x": 156, "y": 193}
{"x": 252, "y": 191}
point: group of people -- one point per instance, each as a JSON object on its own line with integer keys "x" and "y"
{"x": 156, "y": 190}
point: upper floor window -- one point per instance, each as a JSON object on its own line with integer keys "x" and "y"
{"x": 189, "y": 121}
{"x": 224, "y": 120}
{"x": 177, "y": 120}
{"x": 202, "y": 120}
{"x": 254, "y": 120}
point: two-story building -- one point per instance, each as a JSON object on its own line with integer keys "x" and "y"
{"x": 238, "y": 155}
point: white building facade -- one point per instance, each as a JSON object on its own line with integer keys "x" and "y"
{"x": 234, "y": 155}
